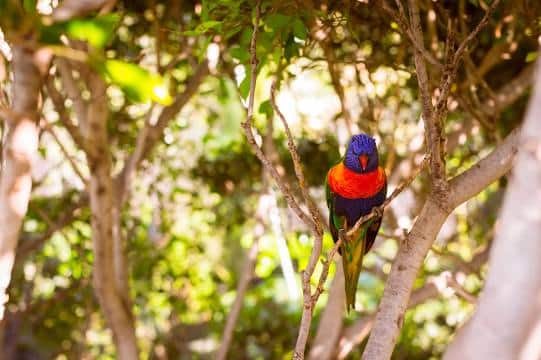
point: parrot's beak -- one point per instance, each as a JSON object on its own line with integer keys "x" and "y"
{"x": 363, "y": 159}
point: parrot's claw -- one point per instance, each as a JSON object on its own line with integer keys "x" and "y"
{"x": 378, "y": 211}
{"x": 342, "y": 234}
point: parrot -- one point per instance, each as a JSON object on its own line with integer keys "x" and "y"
{"x": 354, "y": 187}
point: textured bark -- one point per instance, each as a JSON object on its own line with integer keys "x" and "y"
{"x": 20, "y": 145}
{"x": 356, "y": 333}
{"x": 117, "y": 313}
{"x": 506, "y": 324}
{"x": 393, "y": 305}
{"x": 331, "y": 322}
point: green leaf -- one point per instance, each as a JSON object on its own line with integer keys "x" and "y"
{"x": 137, "y": 83}
{"x": 266, "y": 108}
{"x": 291, "y": 49}
{"x": 204, "y": 27}
{"x": 277, "y": 21}
{"x": 97, "y": 31}
{"x": 531, "y": 56}
{"x": 240, "y": 53}
{"x": 299, "y": 30}
{"x": 244, "y": 87}
{"x": 30, "y": 6}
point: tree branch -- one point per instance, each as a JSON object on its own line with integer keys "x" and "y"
{"x": 149, "y": 136}
{"x": 246, "y": 276}
{"x": 112, "y": 298}
{"x": 468, "y": 184}
{"x": 433, "y": 124}
{"x": 20, "y": 143}
{"x": 501, "y": 331}
{"x": 419, "y": 240}
{"x": 356, "y": 333}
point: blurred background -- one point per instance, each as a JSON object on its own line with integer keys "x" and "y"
{"x": 201, "y": 215}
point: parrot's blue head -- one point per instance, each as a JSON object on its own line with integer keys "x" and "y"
{"x": 361, "y": 154}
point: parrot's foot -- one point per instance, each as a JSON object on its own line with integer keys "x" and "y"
{"x": 378, "y": 211}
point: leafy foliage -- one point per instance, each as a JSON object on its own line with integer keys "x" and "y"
{"x": 196, "y": 204}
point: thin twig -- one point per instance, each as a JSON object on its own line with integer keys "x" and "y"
{"x": 462, "y": 47}
{"x": 246, "y": 276}
{"x": 58, "y": 103}
{"x": 407, "y": 30}
{"x": 247, "y": 126}
{"x": 379, "y": 209}
{"x": 297, "y": 164}
{"x": 325, "y": 271}
{"x": 49, "y": 128}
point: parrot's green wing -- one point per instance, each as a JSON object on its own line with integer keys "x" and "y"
{"x": 336, "y": 222}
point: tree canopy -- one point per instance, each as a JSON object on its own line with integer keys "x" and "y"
{"x": 163, "y": 168}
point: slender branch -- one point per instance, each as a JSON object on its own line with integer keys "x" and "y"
{"x": 325, "y": 271}
{"x": 311, "y": 221}
{"x": 68, "y": 216}
{"x": 247, "y": 126}
{"x": 484, "y": 21}
{"x": 49, "y": 128}
{"x": 406, "y": 30}
{"x": 379, "y": 209}
{"x": 246, "y": 276}
{"x": 433, "y": 125}
{"x": 149, "y": 136}
{"x": 317, "y": 217}
{"x": 58, "y": 103}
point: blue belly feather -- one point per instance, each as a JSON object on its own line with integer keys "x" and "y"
{"x": 353, "y": 209}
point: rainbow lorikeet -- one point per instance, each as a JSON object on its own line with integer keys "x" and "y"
{"x": 354, "y": 187}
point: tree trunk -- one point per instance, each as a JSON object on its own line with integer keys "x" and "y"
{"x": 116, "y": 311}
{"x": 412, "y": 252}
{"x": 506, "y": 324}
{"x": 19, "y": 146}
{"x": 330, "y": 325}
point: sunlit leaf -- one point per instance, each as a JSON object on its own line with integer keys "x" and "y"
{"x": 266, "y": 108}
{"x": 531, "y": 56}
{"x": 138, "y": 84}
{"x": 96, "y": 31}
{"x": 204, "y": 27}
{"x": 299, "y": 30}
{"x": 244, "y": 87}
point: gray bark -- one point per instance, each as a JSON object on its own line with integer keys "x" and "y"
{"x": 506, "y": 324}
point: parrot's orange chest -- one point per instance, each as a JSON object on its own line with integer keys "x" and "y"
{"x": 352, "y": 185}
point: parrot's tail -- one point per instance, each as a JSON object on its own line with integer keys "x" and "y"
{"x": 352, "y": 262}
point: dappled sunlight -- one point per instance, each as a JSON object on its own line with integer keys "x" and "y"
{"x": 146, "y": 104}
